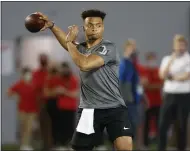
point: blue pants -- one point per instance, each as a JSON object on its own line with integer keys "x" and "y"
{"x": 136, "y": 113}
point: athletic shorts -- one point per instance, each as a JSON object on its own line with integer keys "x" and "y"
{"x": 116, "y": 122}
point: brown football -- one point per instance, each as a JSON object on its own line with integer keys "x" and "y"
{"x": 33, "y": 23}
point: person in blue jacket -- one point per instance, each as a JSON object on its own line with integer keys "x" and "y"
{"x": 130, "y": 87}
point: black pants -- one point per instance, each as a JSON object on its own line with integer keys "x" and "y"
{"x": 152, "y": 112}
{"x": 65, "y": 127}
{"x": 175, "y": 107}
{"x": 52, "y": 110}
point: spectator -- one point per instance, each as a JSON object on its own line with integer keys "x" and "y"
{"x": 142, "y": 104}
{"x": 51, "y": 100}
{"x": 129, "y": 81}
{"x": 175, "y": 70}
{"x": 67, "y": 90}
{"x": 27, "y": 106}
{"x": 39, "y": 78}
{"x": 152, "y": 89}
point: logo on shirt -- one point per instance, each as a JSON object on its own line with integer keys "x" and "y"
{"x": 103, "y": 51}
{"x": 125, "y": 128}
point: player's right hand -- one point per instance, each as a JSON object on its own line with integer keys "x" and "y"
{"x": 48, "y": 23}
{"x": 73, "y": 33}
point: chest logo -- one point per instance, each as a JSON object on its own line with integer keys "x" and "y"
{"x": 103, "y": 51}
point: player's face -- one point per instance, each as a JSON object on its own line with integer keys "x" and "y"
{"x": 94, "y": 28}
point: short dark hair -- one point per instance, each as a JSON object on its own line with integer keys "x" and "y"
{"x": 93, "y": 13}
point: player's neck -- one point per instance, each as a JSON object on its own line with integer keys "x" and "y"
{"x": 90, "y": 44}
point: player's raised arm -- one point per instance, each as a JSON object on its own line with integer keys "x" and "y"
{"x": 85, "y": 63}
{"x": 58, "y": 32}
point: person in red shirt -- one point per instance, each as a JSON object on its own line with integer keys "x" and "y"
{"x": 68, "y": 91}
{"x": 39, "y": 78}
{"x": 27, "y": 106}
{"x": 40, "y": 75}
{"x": 152, "y": 89}
{"x": 52, "y": 81}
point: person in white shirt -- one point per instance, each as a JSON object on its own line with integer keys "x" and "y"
{"x": 175, "y": 71}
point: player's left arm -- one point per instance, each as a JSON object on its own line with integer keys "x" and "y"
{"x": 85, "y": 63}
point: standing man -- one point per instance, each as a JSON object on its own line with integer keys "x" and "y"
{"x": 51, "y": 83}
{"x": 175, "y": 71}
{"x": 101, "y": 103}
{"x": 39, "y": 78}
{"x": 152, "y": 89}
{"x": 27, "y": 107}
{"x": 68, "y": 93}
{"x": 130, "y": 83}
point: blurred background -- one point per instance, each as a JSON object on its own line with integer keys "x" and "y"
{"x": 151, "y": 24}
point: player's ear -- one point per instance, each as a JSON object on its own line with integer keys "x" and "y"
{"x": 83, "y": 28}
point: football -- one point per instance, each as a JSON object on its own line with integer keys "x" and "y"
{"x": 33, "y": 23}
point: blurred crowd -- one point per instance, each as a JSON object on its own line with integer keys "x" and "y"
{"x": 50, "y": 96}
{"x": 160, "y": 95}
